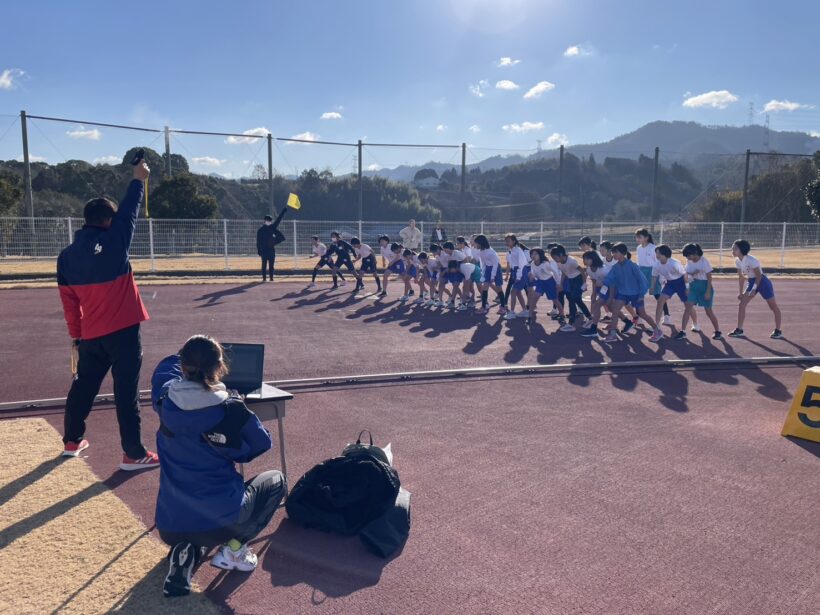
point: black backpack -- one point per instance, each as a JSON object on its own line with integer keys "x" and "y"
{"x": 345, "y": 493}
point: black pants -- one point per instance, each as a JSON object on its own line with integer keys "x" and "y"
{"x": 575, "y": 296}
{"x": 121, "y": 352}
{"x": 263, "y": 494}
{"x": 267, "y": 265}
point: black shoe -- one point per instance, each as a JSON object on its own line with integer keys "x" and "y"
{"x": 680, "y": 336}
{"x": 777, "y": 334}
{"x": 591, "y": 332}
{"x": 717, "y": 335}
{"x": 180, "y": 568}
{"x": 627, "y": 326}
{"x": 334, "y": 287}
{"x": 736, "y": 333}
{"x": 411, "y": 293}
{"x": 382, "y": 293}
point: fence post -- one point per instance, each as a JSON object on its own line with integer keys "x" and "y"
{"x": 151, "y": 242}
{"x": 541, "y": 237}
{"x": 167, "y": 152}
{"x": 421, "y": 228}
{"x": 601, "y": 234}
{"x": 745, "y": 192}
{"x": 661, "y": 237}
{"x": 360, "y": 231}
{"x": 270, "y": 174}
{"x": 560, "y": 175}
{"x": 482, "y": 227}
{"x": 783, "y": 247}
{"x": 720, "y": 247}
{"x": 225, "y": 241}
{"x": 294, "y": 244}
{"x": 70, "y": 230}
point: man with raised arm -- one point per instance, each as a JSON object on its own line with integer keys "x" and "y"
{"x": 103, "y": 311}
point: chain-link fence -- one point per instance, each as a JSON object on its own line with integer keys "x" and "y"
{"x": 230, "y": 245}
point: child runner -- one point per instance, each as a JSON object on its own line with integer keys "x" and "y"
{"x": 517, "y": 262}
{"x": 320, "y": 250}
{"x": 750, "y": 274}
{"x": 647, "y": 260}
{"x": 573, "y": 276}
{"x": 343, "y": 250}
{"x": 491, "y": 276}
{"x": 701, "y": 290}
{"x": 455, "y": 277}
{"x": 597, "y": 272}
{"x": 542, "y": 281}
{"x": 559, "y": 281}
{"x": 428, "y": 278}
{"x": 627, "y": 286}
{"x": 471, "y": 270}
{"x": 669, "y": 269}
{"x": 365, "y": 254}
{"x": 410, "y": 273}
{"x": 446, "y": 257}
{"x": 395, "y": 265}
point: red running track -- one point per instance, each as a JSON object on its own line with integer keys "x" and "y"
{"x": 633, "y": 492}
{"x": 323, "y": 333}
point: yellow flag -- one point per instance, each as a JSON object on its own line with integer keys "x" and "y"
{"x": 294, "y": 202}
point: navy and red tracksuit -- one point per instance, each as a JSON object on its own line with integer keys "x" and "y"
{"x": 103, "y": 310}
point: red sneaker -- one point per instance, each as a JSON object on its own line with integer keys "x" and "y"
{"x": 149, "y": 461}
{"x": 72, "y": 449}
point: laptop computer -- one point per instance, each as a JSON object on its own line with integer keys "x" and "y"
{"x": 246, "y": 365}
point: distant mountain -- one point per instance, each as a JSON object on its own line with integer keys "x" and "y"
{"x": 687, "y": 142}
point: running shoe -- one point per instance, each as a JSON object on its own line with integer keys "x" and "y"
{"x": 628, "y": 325}
{"x": 381, "y": 293}
{"x": 737, "y": 332}
{"x": 587, "y": 323}
{"x": 502, "y": 310}
{"x": 311, "y": 285}
{"x": 523, "y": 314}
{"x": 180, "y": 569}
{"x": 657, "y": 336}
{"x": 696, "y": 328}
{"x": 777, "y": 334}
{"x": 412, "y": 292}
{"x": 343, "y": 284}
{"x": 481, "y": 310}
{"x": 680, "y": 336}
{"x": 404, "y": 298}
{"x": 612, "y": 337}
{"x": 590, "y": 332}
{"x": 567, "y": 328}
{"x": 717, "y": 335}
{"x": 667, "y": 320}
{"x": 510, "y": 316}
{"x": 462, "y": 307}
{"x": 451, "y": 305}
{"x": 419, "y": 301}
{"x": 150, "y": 461}
{"x": 439, "y": 303}
{"x": 73, "y": 449}
{"x": 429, "y": 302}
{"x": 243, "y": 560}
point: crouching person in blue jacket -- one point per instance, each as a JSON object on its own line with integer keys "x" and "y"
{"x": 204, "y": 432}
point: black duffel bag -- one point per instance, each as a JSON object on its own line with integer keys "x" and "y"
{"x": 345, "y": 493}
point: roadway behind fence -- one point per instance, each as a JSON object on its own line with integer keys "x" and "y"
{"x": 227, "y": 244}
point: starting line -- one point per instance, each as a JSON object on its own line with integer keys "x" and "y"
{"x": 316, "y": 384}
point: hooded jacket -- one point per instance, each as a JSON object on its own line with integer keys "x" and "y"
{"x": 203, "y": 434}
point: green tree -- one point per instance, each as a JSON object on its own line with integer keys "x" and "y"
{"x": 11, "y": 194}
{"x": 424, "y": 174}
{"x": 179, "y": 197}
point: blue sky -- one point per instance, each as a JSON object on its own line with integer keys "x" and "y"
{"x": 425, "y": 71}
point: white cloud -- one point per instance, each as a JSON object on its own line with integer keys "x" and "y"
{"x": 773, "y": 106}
{"x": 32, "y": 158}
{"x": 717, "y": 99}
{"x": 815, "y": 134}
{"x": 331, "y": 115}
{"x": 505, "y": 61}
{"x": 539, "y": 88}
{"x": 478, "y": 89}
{"x": 506, "y": 84}
{"x": 9, "y": 77}
{"x": 556, "y": 139}
{"x": 304, "y": 136}
{"x": 253, "y": 132}
{"x": 81, "y": 133}
{"x": 107, "y": 160}
{"x": 523, "y": 127}
{"x": 441, "y": 128}
{"x": 374, "y": 167}
{"x": 576, "y": 51}
{"x": 208, "y": 161}
{"x": 475, "y": 129}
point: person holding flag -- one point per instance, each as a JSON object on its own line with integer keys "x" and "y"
{"x": 268, "y": 236}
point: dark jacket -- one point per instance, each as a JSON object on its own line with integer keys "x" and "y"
{"x": 94, "y": 275}
{"x": 267, "y": 238}
{"x": 434, "y": 236}
{"x": 202, "y": 435}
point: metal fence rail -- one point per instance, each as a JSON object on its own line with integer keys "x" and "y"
{"x": 155, "y": 239}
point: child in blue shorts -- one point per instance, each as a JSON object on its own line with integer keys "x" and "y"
{"x": 410, "y": 273}
{"x": 395, "y": 266}
{"x": 669, "y": 269}
{"x": 753, "y": 282}
{"x": 454, "y": 277}
{"x": 701, "y": 291}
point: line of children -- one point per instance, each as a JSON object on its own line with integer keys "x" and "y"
{"x": 465, "y": 269}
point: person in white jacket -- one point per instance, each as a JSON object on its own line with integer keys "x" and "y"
{"x": 411, "y": 236}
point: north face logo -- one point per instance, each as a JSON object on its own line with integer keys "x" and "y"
{"x": 217, "y": 438}
{"x": 98, "y": 249}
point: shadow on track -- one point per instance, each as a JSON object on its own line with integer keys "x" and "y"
{"x": 214, "y": 297}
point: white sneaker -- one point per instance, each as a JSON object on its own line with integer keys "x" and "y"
{"x": 419, "y": 301}
{"x": 462, "y": 307}
{"x": 523, "y": 314}
{"x": 343, "y": 283}
{"x": 567, "y": 328}
{"x": 696, "y": 328}
{"x": 429, "y": 302}
{"x": 510, "y": 316}
{"x": 243, "y": 560}
{"x": 404, "y": 298}
{"x": 311, "y": 285}
{"x": 667, "y": 320}
{"x": 438, "y": 303}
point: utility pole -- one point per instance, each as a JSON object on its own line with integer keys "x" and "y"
{"x": 745, "y": 191}
{"x": 168, "y": 152}
{"x": 361, "y": 187}
{"x": 654, "y": 202}
{"x": 270, "y": 174}
{"x": 463, "y": 169}
{"x": 27, "y": 171}
{"x": 560, "y": 174}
